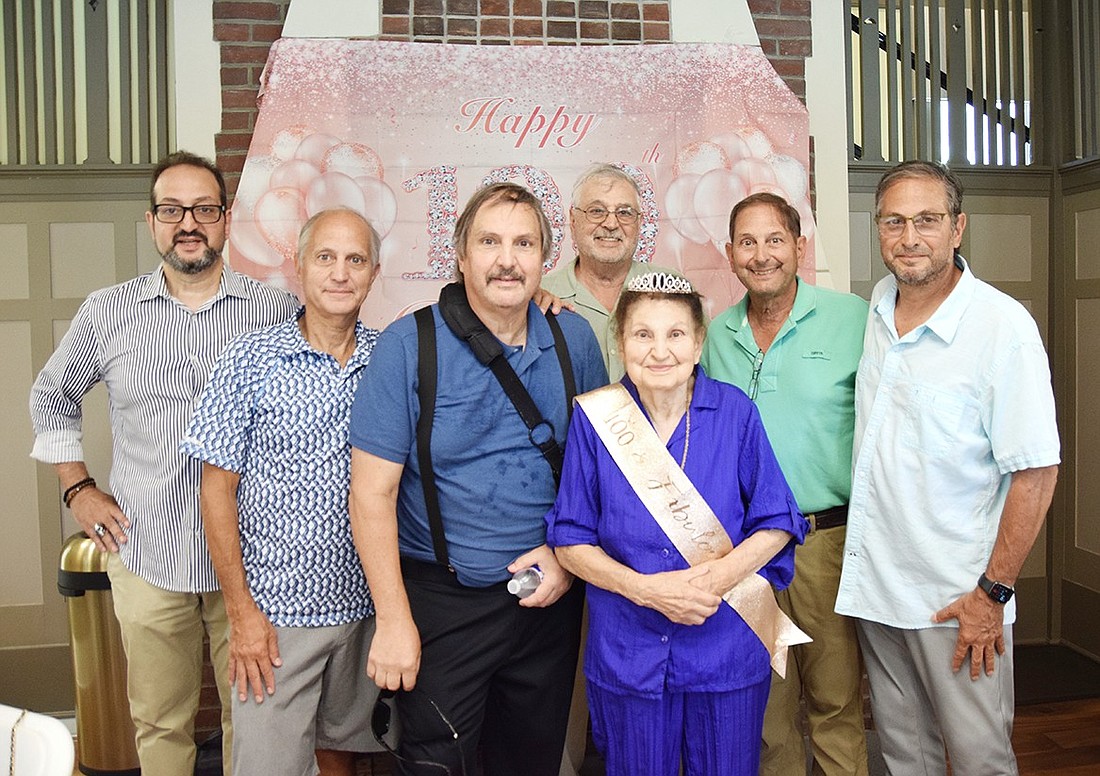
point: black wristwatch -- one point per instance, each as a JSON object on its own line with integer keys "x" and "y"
{"x": 998, "y": 592}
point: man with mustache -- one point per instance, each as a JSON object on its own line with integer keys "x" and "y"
{"x": 469, "y": 657}
{"x": 606, "y": 220}
{"x": 152, "y": 342}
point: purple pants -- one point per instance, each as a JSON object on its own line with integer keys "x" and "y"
{"x": 710, "y": 733}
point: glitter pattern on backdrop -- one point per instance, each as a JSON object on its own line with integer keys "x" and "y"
{"x": 406, "y": 132}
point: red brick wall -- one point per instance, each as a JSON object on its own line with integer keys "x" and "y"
{"x": 246, "y": 29}
{"x": 785, "y": 38}
{"x": 526, "y": 22}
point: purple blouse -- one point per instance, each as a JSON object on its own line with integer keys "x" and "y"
{"x": 637, "y": 650}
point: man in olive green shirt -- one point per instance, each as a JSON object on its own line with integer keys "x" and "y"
{"x": 605, "y": 219}
{"x": 794, "y": 349}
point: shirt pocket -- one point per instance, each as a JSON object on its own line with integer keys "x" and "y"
{"x": 933, "y": 421}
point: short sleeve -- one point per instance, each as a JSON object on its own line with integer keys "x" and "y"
{"x": 383, "y": 415}
{"x": 1021, "y": 388}
{"x": 584, "y": 349}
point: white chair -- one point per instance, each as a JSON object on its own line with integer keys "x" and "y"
{"x": 43, "y": 746}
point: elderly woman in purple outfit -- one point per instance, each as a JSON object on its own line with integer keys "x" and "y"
{"x": 671, "y": 497}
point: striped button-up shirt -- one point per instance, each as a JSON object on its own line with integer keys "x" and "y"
{"x": 154, "y": 355}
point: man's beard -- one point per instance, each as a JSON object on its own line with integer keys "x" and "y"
{"x": 205, "y": 262}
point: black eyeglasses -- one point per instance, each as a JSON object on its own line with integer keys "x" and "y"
{"x": 203, "y": 214}
{"x": 380, "y": 726}
{"x": 597, "y": 214}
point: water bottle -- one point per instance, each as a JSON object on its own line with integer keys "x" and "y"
{"x": 524, "y": 581}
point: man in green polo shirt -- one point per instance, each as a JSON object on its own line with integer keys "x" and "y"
{"x": 794, "y": 349}
{"x": 605, "y": 219}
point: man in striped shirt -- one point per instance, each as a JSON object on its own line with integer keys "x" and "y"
{"x": 152, "y": 341}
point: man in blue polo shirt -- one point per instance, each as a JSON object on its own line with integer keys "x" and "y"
{"x": 463, "y": 650}
{"x": 272, "y": 431}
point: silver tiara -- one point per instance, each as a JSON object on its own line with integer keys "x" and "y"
{"x": 660, "y": 283}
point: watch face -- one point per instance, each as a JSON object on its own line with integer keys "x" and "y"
{"x": 1000, "y": 593}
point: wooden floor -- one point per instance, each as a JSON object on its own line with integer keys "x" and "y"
{"x": 1051, "y": 739}
{"x": 1058, "y": 738}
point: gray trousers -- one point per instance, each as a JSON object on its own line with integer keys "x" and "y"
{"x": 920, "y": 707}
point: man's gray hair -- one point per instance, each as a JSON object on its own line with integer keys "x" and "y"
{"x": 605, "y": 171}
{"x": 307, "y": 233}
{"x": 915, "y": 168}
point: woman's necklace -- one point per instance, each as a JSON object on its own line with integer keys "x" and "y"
{"x": 687, "y": 437}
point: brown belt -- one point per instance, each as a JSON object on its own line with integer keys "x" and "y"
{"x": 828, "y": 518}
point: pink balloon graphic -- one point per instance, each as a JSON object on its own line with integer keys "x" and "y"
{"x": 294, "y": 174}
{"x": 715, "y": 195}
{"x": 754, "y": 171}
{"x": 790, "y": 174}
{"x": 734, "y": 144}
{"x": 286, "y": 141}
{"x": 681, "y": 209}
{"x": 334, "y": 189}
{"x": 314, "y": 147}
{"x": 280, "y": 214}
{"x": 700, "y": 158}
{"x": 381, "y": 203}
{"x": 771, "y": 188}
{"x": 246, "y": 242}
{"x": 255, "y": 180}
{"x": 758, "y": 143}
{"x": 352, "y": 159}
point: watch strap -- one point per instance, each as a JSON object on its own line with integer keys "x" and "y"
{"x": 998, "y": 592}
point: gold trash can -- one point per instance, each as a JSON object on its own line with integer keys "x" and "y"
{"x": 104, "y": 730}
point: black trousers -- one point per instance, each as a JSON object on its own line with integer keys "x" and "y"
{"x": 502, "y": 674}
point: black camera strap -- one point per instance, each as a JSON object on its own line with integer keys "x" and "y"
{"x": 455, "y": 309}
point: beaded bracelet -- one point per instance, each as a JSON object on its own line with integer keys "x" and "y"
{"x": 76, "y": 488}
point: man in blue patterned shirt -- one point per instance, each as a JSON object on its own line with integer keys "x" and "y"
{"x": 272, "y": 431}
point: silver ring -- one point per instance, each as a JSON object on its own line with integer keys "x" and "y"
{"x": 100, "y": 530}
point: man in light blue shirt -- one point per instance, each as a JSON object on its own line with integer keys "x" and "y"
{"x": 955, "y": 462}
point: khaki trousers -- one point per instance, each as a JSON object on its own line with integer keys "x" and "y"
{"x": 162, "y": 634}
{"x": 827, "y": 672}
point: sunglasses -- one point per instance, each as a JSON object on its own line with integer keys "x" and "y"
{"x": 380, "y": 719}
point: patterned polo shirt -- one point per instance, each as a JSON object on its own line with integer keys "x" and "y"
{"x": 276, "y": 412}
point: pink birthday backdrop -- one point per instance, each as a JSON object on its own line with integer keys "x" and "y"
{"x": 404, "y": 133}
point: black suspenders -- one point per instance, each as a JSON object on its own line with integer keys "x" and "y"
{"x": 468, "y": 328}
